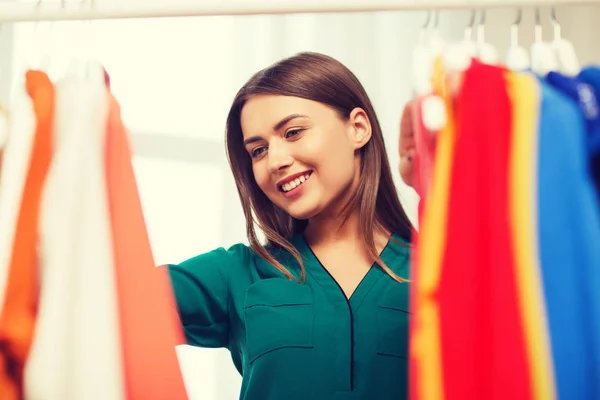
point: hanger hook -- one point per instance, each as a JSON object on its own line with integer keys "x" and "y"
{"x": 514, "y": 29}
{"x": 423, "y": 32}
{"x": 427, "y": 20}
{"x": 555, "y": 24}
{"x": 538, "y": 26}
{"x": 470, "y": 26}
{"x": 519, "y": 17}
{"x": 482, "y": 17}
{"x": 553, "y": 15}
{"x": 481, "y": 27}
{"x": 472, "y": 20}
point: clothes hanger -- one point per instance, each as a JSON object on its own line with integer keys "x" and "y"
{"x": 458, "y": 56}
{"x": 82, "y": 63}
{"x": 543, "y": 58}
{"x": 486, "y": 52}
{"x": 517, "y": 58}
{"x": 44, "y": 60}
{"x": 436, "y": 43}
{"x": 566, "y": 57}
{"x": 433, "y": 108}
{"x": 94, "y": 70}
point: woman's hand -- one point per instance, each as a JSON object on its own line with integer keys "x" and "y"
{"x": 407, "y": 145}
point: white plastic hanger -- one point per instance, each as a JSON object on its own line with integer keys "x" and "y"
{"x": 458, "y": 56}
{"x": 517, "y": 58}
{"x": 436, "y": 43}
{"x": 567, "y": 60}
{"x": 543, "y": 58}
{"x": 433, "y": 108}
{"x": 486, "y": 53}
{"x": 82, "y": 63}
{"x": 40, "y": 57}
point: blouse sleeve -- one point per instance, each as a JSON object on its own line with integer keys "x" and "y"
{"x": 201, "y": 288}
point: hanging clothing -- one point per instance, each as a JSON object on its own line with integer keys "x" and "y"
{"x": 507, "y": 260}
{"x": 294, "y": 340}
{"x": 492, "y": 366}
{"x": 19, "y": 308}
{"x": 524, "y": 94}
{"x": 109, "y": 336}
{"x": 17, "y": 155}
{"x": 591, "y": 76}
{"x": 569, "y": 237}
{"x": 147, "y": 315}
{"x": 78, "y": 331}
{"x": 426, "y": 374}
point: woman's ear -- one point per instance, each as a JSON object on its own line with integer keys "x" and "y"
{"x": 360, "y": 128}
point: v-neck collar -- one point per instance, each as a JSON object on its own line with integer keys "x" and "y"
{"x": 334, "y": 291}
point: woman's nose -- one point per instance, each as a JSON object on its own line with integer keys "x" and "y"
{"x": 279, "y": 157}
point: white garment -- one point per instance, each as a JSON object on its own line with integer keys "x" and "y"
{"x": 15, "y": 165}
{"x": 76, "y": 352}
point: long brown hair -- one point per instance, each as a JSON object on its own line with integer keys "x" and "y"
{"x": 323, "y": 79}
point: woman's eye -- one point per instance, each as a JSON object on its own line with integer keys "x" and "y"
{"x": 258, "y": 151}
{"x": 293, "y": 132}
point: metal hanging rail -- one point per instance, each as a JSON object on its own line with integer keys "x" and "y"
{"x": 22, "y": 12}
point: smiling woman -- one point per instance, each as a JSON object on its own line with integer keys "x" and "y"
{"x": 305, "y": 112}
{"x": 318, "y": 143}
{"x": 321, "y": 310}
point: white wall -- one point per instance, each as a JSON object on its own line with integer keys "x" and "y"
{"x": 176, "y": 90}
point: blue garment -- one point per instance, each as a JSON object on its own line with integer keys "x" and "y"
{"x": 569, "y": 245}
{"x": 583, "y": 90}
{"x": 591, "y": 76}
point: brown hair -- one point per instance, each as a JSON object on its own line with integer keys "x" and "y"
{"x": 323, "y": 79}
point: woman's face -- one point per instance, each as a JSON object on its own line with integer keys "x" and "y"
{"x": 304, "y": 155}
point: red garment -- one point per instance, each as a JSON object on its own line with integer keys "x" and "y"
{"x": 482, "y": 336}
{"x": 150, "y": 327}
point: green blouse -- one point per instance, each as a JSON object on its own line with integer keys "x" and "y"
{"x": 298, "y": 341}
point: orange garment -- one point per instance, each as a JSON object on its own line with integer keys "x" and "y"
{"x": 150, "y": 328}
{"x": 426, "y": 375}
{"x": 17, "y": 318}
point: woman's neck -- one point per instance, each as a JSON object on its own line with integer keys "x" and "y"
{"x": 323, "y": 231}
{"x": 326, "y": 230}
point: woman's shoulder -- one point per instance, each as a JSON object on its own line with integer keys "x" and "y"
{"x": 238, "y": 254}
{"x": 400, "y": 244}
{"x": 398, "y": 254}
{"x": 237, "y": 259}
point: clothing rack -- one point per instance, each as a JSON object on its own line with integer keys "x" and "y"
{"x": 14, "y": 11}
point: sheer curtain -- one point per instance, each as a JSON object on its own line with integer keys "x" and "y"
{"x": 175, "y": 80}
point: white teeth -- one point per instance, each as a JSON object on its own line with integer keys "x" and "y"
{"x": 295, "y": 183}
